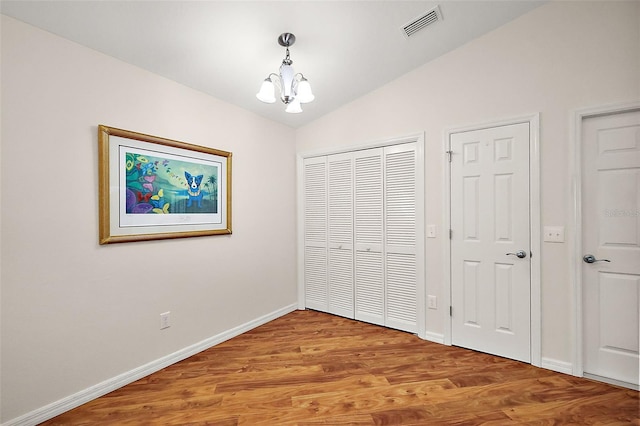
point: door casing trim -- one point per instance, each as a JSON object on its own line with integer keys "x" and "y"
{"x": 535, "y": 225}
{"x": 575, "y": 272}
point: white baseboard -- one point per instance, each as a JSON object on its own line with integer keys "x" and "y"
{"x": 65, "y": 404}
{"x": 434, "y": 337}
{"x": 555, "y": 365}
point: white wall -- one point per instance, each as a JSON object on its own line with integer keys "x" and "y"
{"x": 75, "y": 313}
{"x": 555, "y": 59}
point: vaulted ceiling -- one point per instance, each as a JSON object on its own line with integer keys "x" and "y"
{"x": 226, "y": 48}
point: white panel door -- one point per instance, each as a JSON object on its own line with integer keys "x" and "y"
{"x": 315, "y": 232}
{"x": 368, "y": 226}
{"x": 340, "y": 221}
{"x": 611, "y": 231}
{"x": 490, "y": 283}
{"x": 401, "y": 237}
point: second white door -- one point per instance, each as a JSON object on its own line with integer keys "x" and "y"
{"x": 611, "y": 247}
{"x": 490, "y": 242}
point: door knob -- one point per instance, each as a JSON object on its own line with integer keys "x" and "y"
{"x": 520, "y": 253}
{"x": 589, "y": 258}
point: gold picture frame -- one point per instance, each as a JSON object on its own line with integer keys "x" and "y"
{"x": 153, "y": 188}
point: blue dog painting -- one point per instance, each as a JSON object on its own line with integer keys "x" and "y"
{"x": 158, "y": 185}
{"x": 193, "y": 183}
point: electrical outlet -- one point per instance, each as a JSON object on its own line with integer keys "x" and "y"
{"x": 432, "y": 302}
{"x": 554, "y": 234}
{"x": 165, "y": 320}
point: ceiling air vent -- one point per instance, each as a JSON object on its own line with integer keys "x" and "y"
{"x": 430, "y": 17}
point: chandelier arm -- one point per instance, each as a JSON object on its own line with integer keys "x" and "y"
{"x": 277, "y": 81}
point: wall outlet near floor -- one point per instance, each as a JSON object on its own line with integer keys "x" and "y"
{"x": 165, "y": 320}
{"x": 432, "y": 302}
{"x": 554, "y": 234}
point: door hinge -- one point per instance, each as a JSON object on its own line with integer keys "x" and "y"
{"x": 449, "y": 154}
{"x": 450, "y": 234}
{"x": 450, "y": 311}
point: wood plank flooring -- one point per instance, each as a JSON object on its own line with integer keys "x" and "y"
{"x": 310, "y": 368}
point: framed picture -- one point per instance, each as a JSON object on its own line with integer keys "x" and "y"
{"x": 155, "y": 188}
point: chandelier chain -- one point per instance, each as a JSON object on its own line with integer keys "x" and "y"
{"x": 287, "y": 60}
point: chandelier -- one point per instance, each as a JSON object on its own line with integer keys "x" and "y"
{"x": 294, "y": 88}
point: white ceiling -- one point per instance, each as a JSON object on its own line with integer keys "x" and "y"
{"x": 226, "y": 48}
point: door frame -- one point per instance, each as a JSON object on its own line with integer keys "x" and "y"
{"x": 419, "y": 140}
{"x": 575, "y": 273}
{"x": 535, "y": 225}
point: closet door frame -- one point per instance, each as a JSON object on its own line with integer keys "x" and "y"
{"x": 418, "y": 139}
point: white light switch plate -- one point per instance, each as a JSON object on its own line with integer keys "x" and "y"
{"x": 432, "y": 302}
{"x": 554, "y": 234}
{"x": 431, "y": 231}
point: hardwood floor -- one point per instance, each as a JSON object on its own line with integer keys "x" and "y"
{"x": 310, "y": 368}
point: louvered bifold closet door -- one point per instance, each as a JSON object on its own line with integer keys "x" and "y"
{"x": 315, "y": 233}
{"x": 401, "y": 237}
{"x": 368, "y": 226}
{"x": 340, "y": 210}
